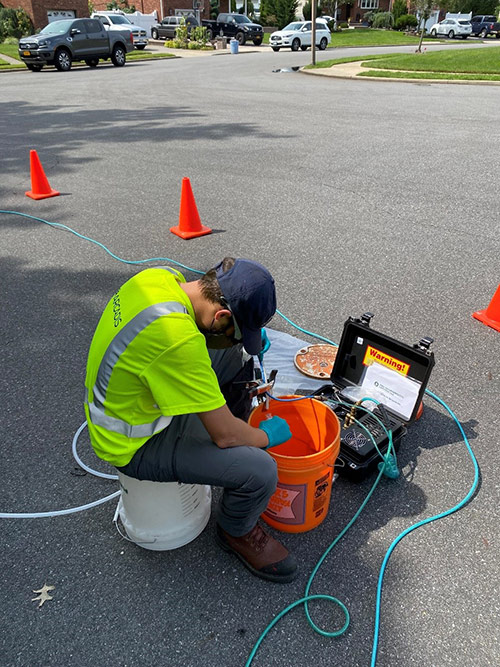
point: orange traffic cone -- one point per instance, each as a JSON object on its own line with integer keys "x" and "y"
{"x": 189, "y": 219}
{"x": 40, "y": 188}
{"x": 491, "y": 316}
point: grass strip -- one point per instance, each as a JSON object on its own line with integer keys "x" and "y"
{"x": 10, "y": 50}
{"x": 144, "y": 55}
{"x": 349, "y": 59}
{"x": 4, "y": 65}
{"x": 444, "y": 76}
{"x": 366, "y": 37}
{"x": 371, "y": 37}
{"x": 463, "y": 61}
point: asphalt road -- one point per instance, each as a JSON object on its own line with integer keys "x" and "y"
{"x": 358, "y": 196}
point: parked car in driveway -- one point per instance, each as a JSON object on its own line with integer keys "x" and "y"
{"x": 62, "y": 42}
{"x": 298, "y": 35}
{"x": 235, "y": 26}
{"x": 116, "y": 21}
{"x": 166, "y": 29}
{"x": 482, "y": 26}
{"x": 452, "y": 28}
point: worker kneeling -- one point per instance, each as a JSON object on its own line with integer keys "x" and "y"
{"x": 161, "y": 404}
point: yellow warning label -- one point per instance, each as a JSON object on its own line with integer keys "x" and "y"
{"x": 372, "y": 354}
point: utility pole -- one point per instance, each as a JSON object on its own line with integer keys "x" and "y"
{"x": 313, "y": 31}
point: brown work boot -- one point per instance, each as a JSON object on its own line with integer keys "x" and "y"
{"x": 260, "y": 553}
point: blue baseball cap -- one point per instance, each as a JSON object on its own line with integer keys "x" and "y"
{"x": 249, "y": 291}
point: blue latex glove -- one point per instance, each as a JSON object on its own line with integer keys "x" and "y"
{"x": 277, "y": 431}
{"x": 266, "y": 344}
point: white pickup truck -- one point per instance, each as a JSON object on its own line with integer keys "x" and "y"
{"x": 117, "y": 21}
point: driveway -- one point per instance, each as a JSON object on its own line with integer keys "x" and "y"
{"x": 357, "y": 198}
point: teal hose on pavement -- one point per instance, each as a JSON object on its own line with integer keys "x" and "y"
{"x": 307, "y": 598}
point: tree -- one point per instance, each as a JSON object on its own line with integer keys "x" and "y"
{"x": 214, "y": 9}
{"x": 285, "y": 12}
{"x": 466, "y": 6}
{"x": 121, "y": 4}
{"x": 15, "y": 23}
{"x": 399, "y": 9}
{"x": 423, "y": 10}
{"x": 307, "y": 10}
{"x": 331, "y": 8}
{"x": 268, "y": 12}
{"x": 250, "y": 9}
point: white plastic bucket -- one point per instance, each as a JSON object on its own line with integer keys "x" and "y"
{"x": 163, "y": 515}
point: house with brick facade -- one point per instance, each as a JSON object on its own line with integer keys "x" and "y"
{"x": 167, "y": 7}
{"x": 44, "y": 11}
{"x": 355, "y": 11}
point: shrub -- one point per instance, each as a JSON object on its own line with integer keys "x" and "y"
{"x": 11, "y": 40}
{"x": 285, "y": 12}
{"x": 383, "y": 20}
{"x": 214, "y": 9}
{"x": 307, "y": 10}
{"x": 399, "y": 9}
{"x": 121, "y": 4}
{"x": 15, "y": 23}
{"x": 174, "y": 44}
{"x": 199, "y": 34}
{"x": 181, "y": 33}
{"x": 277, "y": 12}
{"x": 250, "y": 9}
{"x": 406, "y": 21}
{"x": 343, "y": 25}
{"x": 370, "y": 16}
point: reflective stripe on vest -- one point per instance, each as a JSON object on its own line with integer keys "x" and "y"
{"x": 116, "y": 348}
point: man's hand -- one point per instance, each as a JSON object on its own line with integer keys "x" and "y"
{"x": 226, "y": 430}
{"x": 277, "y": 431}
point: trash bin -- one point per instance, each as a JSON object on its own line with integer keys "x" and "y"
{"x": 220, "y": 43}
{"x": 233, "y": 45}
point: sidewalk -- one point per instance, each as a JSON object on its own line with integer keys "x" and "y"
{"x": 157, "y": 47}
{"x": 9, "y": 60}
{"x": 351, "y": 71}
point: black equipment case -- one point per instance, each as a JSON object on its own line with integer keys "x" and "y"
{"x": 401, "y": 372}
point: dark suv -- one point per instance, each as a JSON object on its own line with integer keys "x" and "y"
{"x": 482, "y": 26}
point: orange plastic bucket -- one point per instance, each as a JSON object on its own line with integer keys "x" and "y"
{"x": 305, "y": 463}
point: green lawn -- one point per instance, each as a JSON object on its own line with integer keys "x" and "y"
{"x": 366, "y": 37}
{"x": 148, "y": 55}
{"x": 325, "y": 64}
{"x": 467, "y": 64}
{"x": 471, "y": 61}
{"x": 11, "y": 50}
{"x": 445, "y": 76}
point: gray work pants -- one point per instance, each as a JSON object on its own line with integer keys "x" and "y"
{"x": 184, "y": 452}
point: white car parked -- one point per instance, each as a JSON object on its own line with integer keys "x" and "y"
{"x": 298, "y": 35}
{"x": 452, "y": 28}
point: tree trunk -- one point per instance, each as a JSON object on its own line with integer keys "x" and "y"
{"x": 419, "y": 47}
